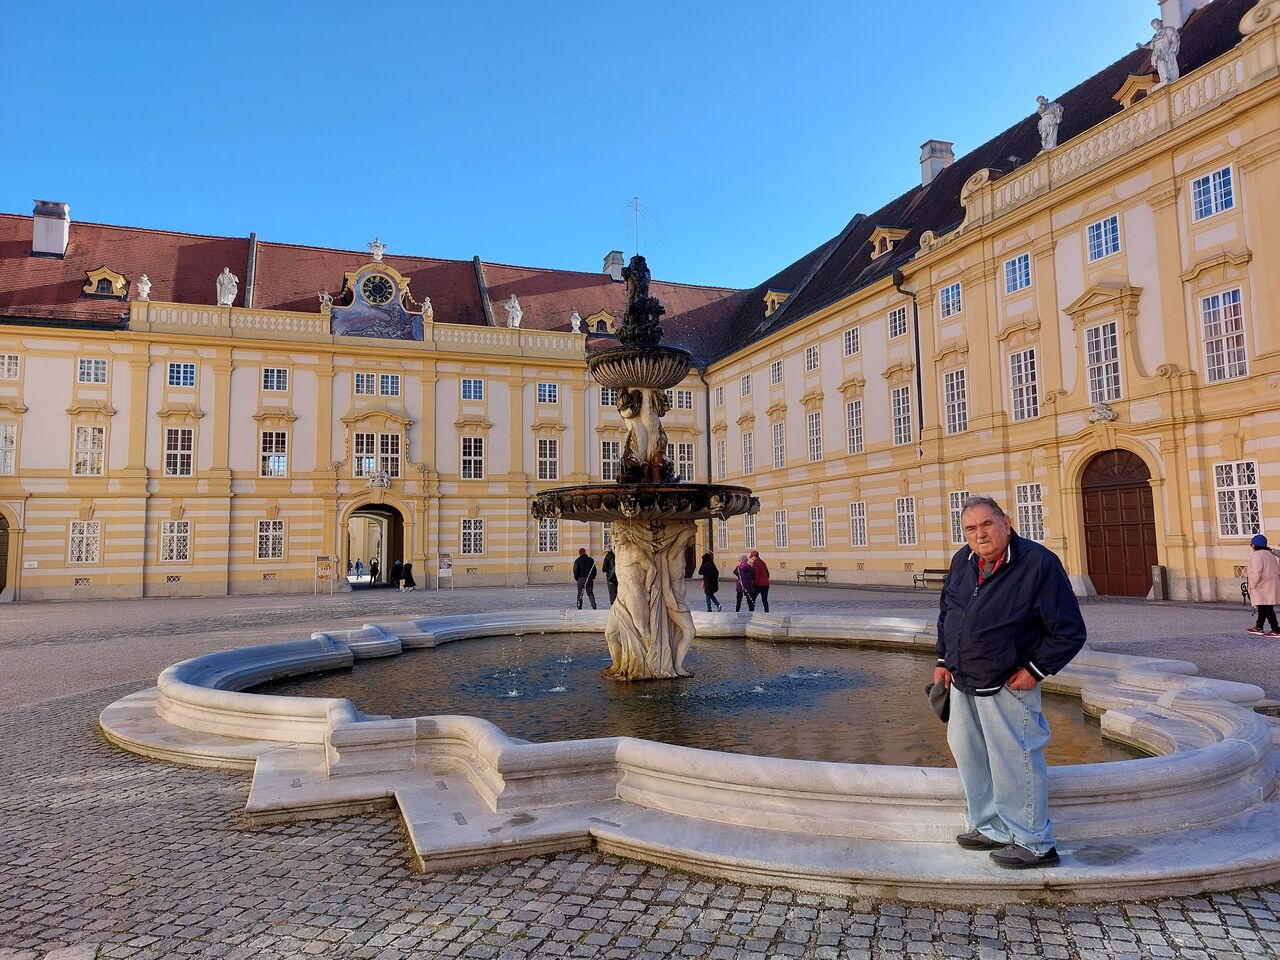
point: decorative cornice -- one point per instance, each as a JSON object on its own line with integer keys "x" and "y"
{"x": 15, "y": 406}
{"x": 544, "y": 425}
{"x": 372, "y": 412}
{"x": 812, "y": 398}
{"x": 1121, "y": 296}
{"x": 958, "y": 347}
{"x": 747, "y": 419}
{"x": 1029, "y": 327}
{"x": 776, "y": 410}
{"x": 899, "y": 370}
{"x": 473, "y": 422}
{"x": 275, "y": 413}
{"x": 1221, "y": 259}
{"x": 1161, "y": 197}
{"x": 180, "y": 411}
{"x": 852, "y": 387}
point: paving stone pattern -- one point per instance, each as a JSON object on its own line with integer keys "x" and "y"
{"x": 109, "y": 855}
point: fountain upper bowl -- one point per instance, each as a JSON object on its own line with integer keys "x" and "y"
{"x": 655, "y": 367}
{"x": 644, "y": 501}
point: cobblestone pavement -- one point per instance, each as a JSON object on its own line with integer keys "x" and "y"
{"x": 110, "y": 855}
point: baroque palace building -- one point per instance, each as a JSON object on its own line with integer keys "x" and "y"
{"x": 1077, "y": 317}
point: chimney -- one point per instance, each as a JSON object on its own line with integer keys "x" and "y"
{"x": 51, "y": 227}
{"x": 613, "y": 265}
{"x": 1175, "y": 13}
{"x": 935, "y": 156}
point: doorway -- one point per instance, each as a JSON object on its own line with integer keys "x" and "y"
{"x": 1119, "y": 524}
{"x": 375, "y": 534}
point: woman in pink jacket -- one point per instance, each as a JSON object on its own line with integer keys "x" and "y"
{"x": 1264, "y": 586}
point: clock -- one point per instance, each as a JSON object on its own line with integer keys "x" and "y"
{"x": 377, "y": 289}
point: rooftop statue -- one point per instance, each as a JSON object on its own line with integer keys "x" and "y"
{"x": 228, "y": 287}
{"x": 514, "y": 313}
{"x": 1050, "y": 116}
{"x": 1164, "y": 48}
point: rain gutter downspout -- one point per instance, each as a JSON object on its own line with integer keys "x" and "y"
{"x": 898, "y": 281}
{"x": 702, "y": 375}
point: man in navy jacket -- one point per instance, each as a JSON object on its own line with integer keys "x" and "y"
{"x": 1008, "y": 619}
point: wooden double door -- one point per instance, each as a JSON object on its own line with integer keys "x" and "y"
{"x": 1119, "y": 524}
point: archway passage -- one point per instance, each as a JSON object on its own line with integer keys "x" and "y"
{"x": 1119, "y": 524}
{"x": 374, "y": 532}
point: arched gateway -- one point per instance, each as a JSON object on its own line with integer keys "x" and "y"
{"x": 1119, "y": 524}
{"x": 375, "y": 531}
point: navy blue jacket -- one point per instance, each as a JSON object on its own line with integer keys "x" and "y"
{"x": 1023, "y": 615}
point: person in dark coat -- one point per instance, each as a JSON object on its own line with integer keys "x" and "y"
{"x": 745, "y": 578}
{"x": 609, "y": 567}
{"x": 710, "y": 575}
{"x": 397, "y": 572}
{"x": 409, "y": 583}
{"x": 374, "y": 569}
{"x": 584, "y": 574}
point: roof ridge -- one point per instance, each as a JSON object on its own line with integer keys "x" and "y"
{"x": 592, "y": 273}
{"x": 121, "y": 226}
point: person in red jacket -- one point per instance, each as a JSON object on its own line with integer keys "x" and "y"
{"x": 761, "y": 579}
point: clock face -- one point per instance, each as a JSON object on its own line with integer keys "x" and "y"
{"x": 377, "y": 289}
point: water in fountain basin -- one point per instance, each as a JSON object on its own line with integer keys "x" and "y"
{"x": 809, "y": 702}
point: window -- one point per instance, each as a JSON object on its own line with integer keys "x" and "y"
{"x": 749, "y": 452}
{"x": 1103, "y": 238}
{"x": 1222, "y": 322}
{"x": 275, "y": 379}
{"x": 958, "y": 497}
{"x": 92, "y": 371}
{"x": 853, "y": 423}
{"x": 810, "y": 358}
{"x": 608, "y": 397}
{"x": 670, "y": 394}
{"x": 721, "y": 465}
{"x": 270, "y": 539}
{"x": 814, "y": 421}
{"x": 90, "y": 450}
{"x": 956, "y": 400}
{"x": 858, "y": 524}
{"x": 607, "y": 534}
{"x": 722, "y": 535}
{"x": 8, "y": 366}
{"x": 1211, "y": 194}
{"x": 8, "y": 448}
{"x": 472, "y": 389}
{"x": 175, "y": 540}
{"x": 549, "y": 535}
{"x": 745, "y": 384}
{"x": 779, "y": 445}
{"x": 682, "y": 454}
{"x": 473, "y": 458}
{"x": 906, "y": 521}
{"x": 818, "y": 527}
{"x": 684, "y": 399}
{"x": 85, "y": 541}
{"x": 1017, "y": 273}
{"x": 610, "y": 454}
{"x": 179, "y": 451}
{"x": 275, "y": 454}
{"x": 548, "y": 459}
{"x": 853, "y": 341}
{"x": 182, "y": 375}
{"x": 365, "y": 454}
{"x": 1030, "y": 511}
{"x": 897, "y": 322}
{"x": 548, "y": 393}
{"x": 389, "y": 384}
{"x": 389, "y": 454}
{"x": 472, "y": 537}
{"x": 1236, "y": 486}
{"x": 775, "y": 372}
{"x": 901, "y": 404}
{"x": 1102, "y": 351}
{"x": 749, "y": 531}
{"x": 780, "y": 529}
{"x": 719, "y": 396}
{"x": 1022, "y": 381}
{"x": 951, "y": 301}
{"x": 366, "y": 384}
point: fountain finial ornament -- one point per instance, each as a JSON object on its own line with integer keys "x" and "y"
{"x": 376, "y": 249}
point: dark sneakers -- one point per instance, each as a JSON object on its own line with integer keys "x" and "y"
{"x": 977, "y": 840}
{"x": 1014, "y": 857}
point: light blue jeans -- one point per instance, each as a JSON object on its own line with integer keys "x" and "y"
{"x": 998, "y": 743}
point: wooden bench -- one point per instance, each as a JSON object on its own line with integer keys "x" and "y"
{"x": 924, "y": 577}
{"x": 817, "y": 573}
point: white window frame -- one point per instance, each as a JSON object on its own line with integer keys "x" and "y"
{"x": 89, "y": 456}
{"x": 273, "y": 453}
{"x": 897, "y": 322}
{"x": 84, "y": 541}
{"x": 471, "y": 464}
{"x": 781, "y": 537}
{"x": 364, "y": 453}
{"x": 608, "y": 396}
{"x": 179, "y": 451}
{"x": 275, "y": 379}
{"x": 778, "y": 431}
{"x": 1102, "y": 362}
{"x": 91, "y": 370}
{"x": 548, "y": 458}
{"x": 951, "y": 300}
{"x": 1226, "y": 355}
{"x": 180, "y": 373}
{"x": 1029, "y": 498}
{"x": 853, "y": 425}
{"x": 955, "y": 398}
{"x": 1102, "y": 239}
{"x": 906, "y": 511}
{"x": 852, "y": 341}
{"x": 364, "y": 384}
{"x": 818, "y": 528}
{"x": 858, "y": 523}
{"x": 10, "y": 366}
{"x": 471, "y": 388}
{"x": 722, "y": 458}
{"x": 8, "y": 449}
{"x": 548, "y": 392}
{"x": 722, "y": 535}
{"x": 719, "y": 395}
{"x": 812, "y": 358}
{"x": 748, "y": 452}
{"x": 606, "y": 535}
{"x": 955, "y": 510}
{"x": 271, "y": 539}
{"x": 684, "y": 399}
{"x": 1024, "y": 388}
{"x": 175, "y": 541}
{"x": 389, "y": 447}
{"x": 900, "y": 405}
{"x": 744, "y": 384}
{"x": 610, "y": 454}
{"x": 813, "y": 432}
{"x": 775, "y": 373}
{"x": 1017, "y": 273}
{"x": 388, "y": 384}
{"x": 749, "y": 531}
{"x": 471, "y": 536}
{"x": 1238, "y": 498}
{"x": 549, "y": 535}
{"x": 682, "y": 454}
{"x": 1212, "y": 194}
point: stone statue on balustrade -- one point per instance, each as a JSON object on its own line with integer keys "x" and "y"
{"x": 144, "y": 287}
{"x": 326, "y": 300}
{"x": 1164, "y": 48}
{"x": 575, "y": 322}
{"x": 1050, "y": 117}
{"x": 514, "y": 313}
{"x": 228, "y": 287}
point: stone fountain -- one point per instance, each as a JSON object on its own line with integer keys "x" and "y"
{"x": 653, "y": 511}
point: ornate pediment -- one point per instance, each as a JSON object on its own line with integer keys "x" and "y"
{"x": 104, "y": 283}
{"x": 1103, "y": 301}
{"x": 601, "y": 321}
{"x": 386, "y": 414}
{"x": 375, "y": 302}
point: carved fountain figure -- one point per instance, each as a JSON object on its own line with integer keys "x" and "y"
{"x": 653, "y": 511}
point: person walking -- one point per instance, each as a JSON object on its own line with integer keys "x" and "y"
{"x": 584, "y": 574}
{"x": 373, "y": 570}
{"x": 761, "y": 572}
{"x": 359, "y": 568}
{"x": 409, "y": 584}
{"x": 710, "y": 575}
{"x": 397, "y": 572}
{"x": 1008, "y": 619}
{"x": 745, "y": 579}
{"x": 1264, "y": 586}
{"x": 609, "y": 567}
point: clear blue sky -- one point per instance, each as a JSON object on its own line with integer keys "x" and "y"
{"x": 750, "y": 130}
